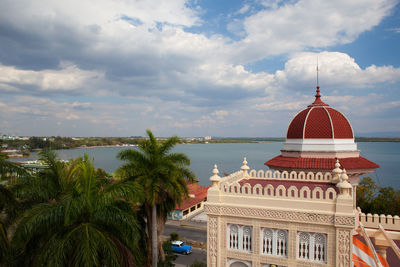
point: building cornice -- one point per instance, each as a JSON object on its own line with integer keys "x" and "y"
{"x": 281, "y": 215}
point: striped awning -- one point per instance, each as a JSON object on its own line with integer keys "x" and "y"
{"x": 363, "y": 256}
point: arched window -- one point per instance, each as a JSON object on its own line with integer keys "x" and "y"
{"x": 319, "y": 247}
{"x": 246, "y": 238}
{"x": 238, "y": 263}
{"x": 274, "y": 242}
{"x": 234, "y": 237}
{"x": 267, "y": 241}
{"x": 304, "y": 245}
{"x": 312, "y": 246}
{"x": 240, "y": 237}
{"x": 281, "y": 243}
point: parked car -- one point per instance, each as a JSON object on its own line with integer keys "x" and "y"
{"x": 180, "y": 247}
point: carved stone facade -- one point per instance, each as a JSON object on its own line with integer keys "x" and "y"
{"x": 344, "y": 244}
{"x": 212, "y": 241}
{"x": 329, "y": 223}
{"x": 280, "y": 215}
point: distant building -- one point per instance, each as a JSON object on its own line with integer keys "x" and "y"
{"x": 191, "y": 205}
{"x": 207, "y": 138}
{"x": 12, "y": 137}
{"x": 301, "y": 212}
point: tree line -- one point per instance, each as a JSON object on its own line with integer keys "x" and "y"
{"x": 375, "y": 199}
{"x": 72, "y": 214}
{"x": 58, "y": 142}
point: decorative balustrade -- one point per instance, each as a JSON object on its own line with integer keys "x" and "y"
{"x": 388, "y": 222}
{"x": 292, "y": 176}
{"x": 232, "y": 177}
{"x": 279, "y": 191}
{"x": 230, "y": 185}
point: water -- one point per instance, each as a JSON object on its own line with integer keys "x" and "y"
{"x": 229, "y": 158}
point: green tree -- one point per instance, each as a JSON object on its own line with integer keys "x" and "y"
{"x": 11, "y": 171}
{"x": 174, "y": 236}
{"x": 3, "y": 156}
{"x": 385, "y": 202}
{"x": 169, "y": 256}
{"x": 374, "y": 199}
{"x": 163, "y": 176}
{"x": 38, "y": 142}
{"x": 8, "y": 206}
{"x": 88, "y": 222}
{"x": 366, "y": 192}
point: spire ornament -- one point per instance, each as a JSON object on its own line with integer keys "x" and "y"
{"x": 336, "y": 172}
{"x": 215, "y": 178}
{"x": 318, "y": 101}
{"x": 344, "y": 186}
{"x": 317, "y": 74}
{"x": 245, "y": 168}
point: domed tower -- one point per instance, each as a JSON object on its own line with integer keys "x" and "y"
{"x": 316, "y": 137}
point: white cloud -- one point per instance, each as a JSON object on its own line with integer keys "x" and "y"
{"x": 335, "y": 69}
{"x": 309, "y": 23}
{"x": 68, "y": 77}
{"x": 100, "y": 12}
{"x": 281, "y": 105}
{"x": 143, "y": 59}
{"x": 243, "y": 9}
{"x": 141, "y": 52}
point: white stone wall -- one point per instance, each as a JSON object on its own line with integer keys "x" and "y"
{"x": 228, "y": 203}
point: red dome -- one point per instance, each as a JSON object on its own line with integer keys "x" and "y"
{"x": 319, "y": 121}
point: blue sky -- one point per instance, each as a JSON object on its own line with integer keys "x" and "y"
{"x": 195, "y": 68}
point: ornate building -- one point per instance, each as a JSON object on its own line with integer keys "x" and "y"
{"x": 302, "y": 211}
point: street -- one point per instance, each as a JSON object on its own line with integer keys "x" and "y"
{"x": 185, "y": 260}
{"x": 186, "y": 233}
{"x": 193, "y": 234}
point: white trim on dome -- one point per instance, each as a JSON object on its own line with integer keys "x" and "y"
{"x": 305, "y": 122}
{"x": 320, "y": 145}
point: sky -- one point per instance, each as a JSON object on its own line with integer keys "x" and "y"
{"x": 196, "y": 67}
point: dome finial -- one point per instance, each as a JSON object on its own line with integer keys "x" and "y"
{"x": 317, "y": 96}
{"x": 317, "y": 77}
{"x": 318, "y": 101}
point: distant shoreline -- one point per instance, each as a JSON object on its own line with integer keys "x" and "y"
{"x": 221, "y": 140}
{"x": 101, "y": 146}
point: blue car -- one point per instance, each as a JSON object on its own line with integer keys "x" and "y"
{"x": 180, "y": 247}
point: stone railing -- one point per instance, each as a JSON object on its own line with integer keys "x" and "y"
{"x": 292, "y": 176}
{"x": 230, "y": 185}
{"x": 233, "y": 177}
{"x": 269, "y": 191}
{"x": 388, "y": 222}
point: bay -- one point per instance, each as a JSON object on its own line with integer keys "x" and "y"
{"x": 229, "y": 157}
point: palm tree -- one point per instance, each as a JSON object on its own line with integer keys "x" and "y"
{"x": 11, "y": 171}
{"x": 48, "y": 184}
{"x": 162, "y": 175}
{"x": 7, "y": 207}
{"x": 90, "y": 222}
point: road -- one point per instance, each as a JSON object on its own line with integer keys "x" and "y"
{"x": 186, "y": 233}
{"x": 185, "y": 260}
